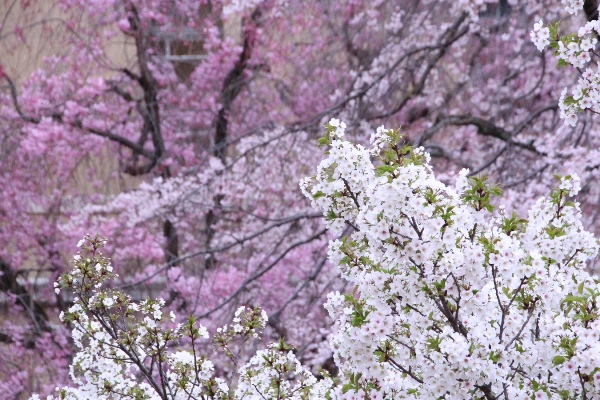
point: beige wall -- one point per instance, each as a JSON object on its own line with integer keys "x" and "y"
{"x": 30, "y": 33}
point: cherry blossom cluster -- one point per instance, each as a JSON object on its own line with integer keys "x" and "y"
{"x": 540, "y": 36}
{"x": 572, "y": 6}
{"x": 446, "y": 285}
{"x": 275, "y": 373}
{"x": 576, "y": 50}
{"x": 443, "y": 284}
{"x": 130, "y": 350}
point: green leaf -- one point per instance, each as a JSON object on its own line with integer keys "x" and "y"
{"x": 558, "y": 360}
{"x": 569, "y": 100}
{"x": 495, "y": 356}
{"x": 384, "y": 169}
{"x": 347, "y": 387}
{"x": 575, "y": 299}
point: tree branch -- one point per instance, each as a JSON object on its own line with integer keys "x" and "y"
{"x": 233, "y": 83}
{"x": 9, "y": 284}
{"x": 13, "y": 94}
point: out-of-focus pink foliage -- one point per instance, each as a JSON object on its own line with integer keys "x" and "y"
{"x": 220, "y": 141}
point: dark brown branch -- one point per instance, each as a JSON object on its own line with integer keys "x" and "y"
{"x": 119, "y": 139}
{"x": 9, "y": 284}
{"x": 313, "y": 275}
{"x": 5, "y": 338}
{"x": 15, "y": 100}
{"x": 233, "y": 83}
{"x": 484, "y": 127}
{"x": 145, "y": 79}
{"x": 452, "y": 34}
{"x": 442, "y": 304}
{"x": 404, "y": 370}
{"x": 530, "y": 314}
{"x": 137, "y": 149}
{"x": 352, "y": 195}
{"x": 172, "y": 243}
{"x": 591, "y": 9}
{"x": 530, "y": 118}
{"x": 487, "y": 391}
{"x": 237, "y": 242}
{"x": 263, "y": 271}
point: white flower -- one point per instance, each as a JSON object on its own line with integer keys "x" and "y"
{"x": 108, "y": 301}
{"x": 540, "y": 36}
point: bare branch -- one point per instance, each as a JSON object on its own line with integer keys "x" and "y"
{"x": 262, "y": 271}
{"x": 15, "y": 100}
{"x": 9, "y": 284}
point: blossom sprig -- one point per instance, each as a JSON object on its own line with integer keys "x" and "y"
{"x": 577, "y": 50}
{"x": 275, "y": 373}
{"x": 446, "y": 286}
{"x": 479, "y": 193}
{"x": 573, "y": 6}
{"x": 335, "y": 129}
{"x": 540, "y": 36}
{"x": 246, "y": 324}
{"x": 114, "y": 335}
{"x": 131, "y": 350}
